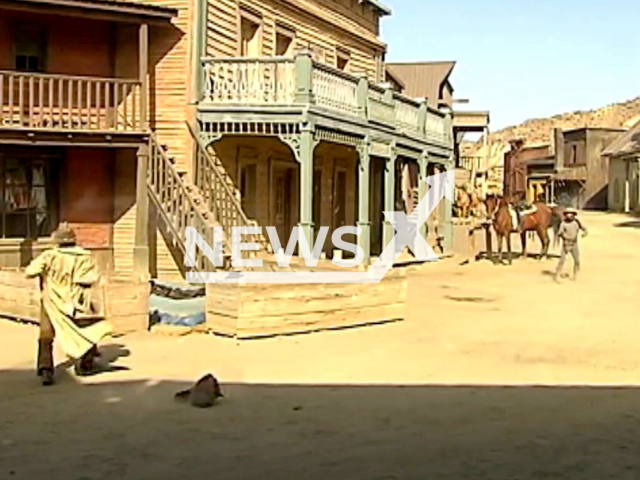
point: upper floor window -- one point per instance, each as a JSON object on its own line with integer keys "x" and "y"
{"x": 30, "y": 48}
{"x": 342, "y": 59}
{"x": 285, "y": 41}
{"x": 250, "y": 34}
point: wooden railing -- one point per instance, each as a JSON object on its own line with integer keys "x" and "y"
{"x": 59, "y": 102}
{"x": 176, "y": 203}
{"x": 472, "y": 162}
{"x": 220, "y": 198}
{"x": 249, "y": 81}
{"x": 303, "y": 81}
{"x": 407, "y": 113}
{"x": 380, "y": 104}
{"x": 334, "y": 89}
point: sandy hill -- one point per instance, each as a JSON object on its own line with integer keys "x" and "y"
{"x": 537, "y": 131}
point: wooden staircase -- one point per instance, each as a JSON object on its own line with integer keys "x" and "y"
{"x": 203, "y": 200}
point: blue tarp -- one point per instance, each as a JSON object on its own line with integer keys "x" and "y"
{"x": 168, "y": 308}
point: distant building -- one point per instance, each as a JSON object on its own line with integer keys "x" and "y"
{"x": 624, "y": 170}
{"x": 570, "y": 171}
{"x": 431, "y": 80}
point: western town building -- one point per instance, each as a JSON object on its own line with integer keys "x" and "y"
{"x": 432, "y": 80}
{"x": 133, "y": 121}
{"x": 624, "y": 171}
{"x": 570, "y": 171}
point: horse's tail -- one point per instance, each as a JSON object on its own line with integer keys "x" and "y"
{"x": 556, "y": 221}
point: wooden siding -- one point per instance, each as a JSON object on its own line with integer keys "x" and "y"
{"x": 124, "y": 219}
{"x": 170, "y": 81}
{"x": 316, "y": 25}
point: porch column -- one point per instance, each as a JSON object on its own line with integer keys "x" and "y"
{"x": 143, "y": 71}
{"x": 423, "y": 162}
{"x": 364, "y": 223}
{"x": 446, "y": 208}
{"x": 388, "y": 231}
{"x": 637, "y": 193}
{"x": 627, "y": 203}
{"x": 305, "y": 157}
{"x": 141, "y": 245}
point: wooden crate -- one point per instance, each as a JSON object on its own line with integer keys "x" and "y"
{"x": 249, "y": 311}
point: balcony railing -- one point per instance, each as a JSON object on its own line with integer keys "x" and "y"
{"x": 472, "y": 163}
{"x": 263, "y": 82}
{"x": 60, "y": 102}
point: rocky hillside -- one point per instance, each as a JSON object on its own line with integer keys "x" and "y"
{"x": 538, "y": 131}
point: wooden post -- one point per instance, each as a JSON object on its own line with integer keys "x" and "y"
{"x": 627, "y": 206}
{"x": 143, "y": 70}
{"x": 304, "y": 78}
{"x": 389, "y": 196}
{"x": 364, "y": 223}
{"x": 423, "y": 162}
{"x": 305, "y": 158}
{"x": 446, "y": 213}
{"x": 199, "y": 42}
{"x": 362, "y": 94}
{"x": 141, "y": 246}
{"x": 422, "y": 116}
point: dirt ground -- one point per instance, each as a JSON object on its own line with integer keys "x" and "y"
{"x": 497, "y": 373}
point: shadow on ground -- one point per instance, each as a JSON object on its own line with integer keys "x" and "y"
{"x": 131, "y": 430}
{"x": 628, "y": 224}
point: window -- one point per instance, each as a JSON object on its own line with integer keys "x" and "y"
{"x": 284, "y": 41}
{"x": 27, "y": 197}
{"x": 574, "y": 154}
{"x": 30, "y": 47}
{"x": 250, "y": 35}
{"x": 342, "y": 59}
{"x": 248, "y": 189}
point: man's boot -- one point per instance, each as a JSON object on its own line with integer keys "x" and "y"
{"x": 86, "y": 365}
{"x": 45, "y": 361}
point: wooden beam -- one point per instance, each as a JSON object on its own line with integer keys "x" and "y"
{"x": 143, "y": 71}
{"x": 118, "y": 12}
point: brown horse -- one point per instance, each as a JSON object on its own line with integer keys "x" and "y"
{"x": 539, "y": 222}
{"x": 462, "y": 203}
{"x": 498, "y": 210}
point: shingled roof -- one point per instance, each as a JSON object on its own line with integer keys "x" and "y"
{"x": 422, "y": 79}
{"x": 627, "y": 143}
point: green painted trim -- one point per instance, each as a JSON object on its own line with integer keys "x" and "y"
{"x": 199, "y": 42}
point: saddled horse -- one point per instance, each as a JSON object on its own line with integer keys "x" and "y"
{"x": 539, "y": 222}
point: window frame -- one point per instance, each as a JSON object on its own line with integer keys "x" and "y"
{"x": 40, "y": 47}
{"x": 248, "y": 14}
{"x": 343, "y": 54}
{"x": 51, "y": 161}
{"x": 282, "y": 29}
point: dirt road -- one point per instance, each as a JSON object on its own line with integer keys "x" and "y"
{"x": 436, "y": 396}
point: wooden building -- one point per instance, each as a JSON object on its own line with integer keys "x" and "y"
{"x": 624, "y": 172}
{"x": 570, "y": 171}
{"x": 133, "y": 121}
{"x": 432, "y": 81}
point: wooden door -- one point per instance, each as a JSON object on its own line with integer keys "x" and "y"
{"x": 339, "y": 199}
{"x": 282, "y": 190}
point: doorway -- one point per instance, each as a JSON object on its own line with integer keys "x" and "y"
{"x": 284, "y": 194}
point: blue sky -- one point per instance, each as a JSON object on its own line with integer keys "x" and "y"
{"x": 524, "y": 59}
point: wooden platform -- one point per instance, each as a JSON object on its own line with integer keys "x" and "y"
{"x": 252, "y": 311}
{"x": 123, "y": 300}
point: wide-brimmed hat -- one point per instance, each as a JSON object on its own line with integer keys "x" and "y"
{"x": 64, "y": 235}
{"x": 571, "y": 211}
{"x": 203, "y": 394}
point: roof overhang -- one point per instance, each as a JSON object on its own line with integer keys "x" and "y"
{"x": 101, "y": 9}
{"x": 470, "y": 121}
{"x": 378, "y": 5}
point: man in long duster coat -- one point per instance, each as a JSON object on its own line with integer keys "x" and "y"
{"x": 67, "y": 273}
